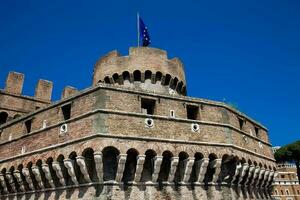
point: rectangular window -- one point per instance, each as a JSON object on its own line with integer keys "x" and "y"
{"x": 148, "y": 106}
{"x": 28, "y": 125}
{"x": 241, "y": 123}
{"x": 66, "y": 110}
{"x": 256, "y": 131}
{"x": 192, "y": 112}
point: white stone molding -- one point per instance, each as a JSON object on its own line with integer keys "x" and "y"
{"x": 83, "y": 168}
{"x": 121, "y": 166}
{"x": 48, "y": 175}
{"x": 187, "y": 169}
{"x": 36, "y": 171}
{"x": 57, "y": 169}
{"x": 99, "y": 165}
{"x": 139, "y": 168}
{"x": 201, "y": 168}
{"x": 26, "y": 173}
{"x": 173, "y": 168}
{"x": 216, "y": 164}
{"x": 157, "y": 166}
{"x": 243, "y": 172}
{"x": 70, "y": 167}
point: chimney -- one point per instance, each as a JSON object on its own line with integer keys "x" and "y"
{"x": 14, "y": 83}
{"x": 43, "y": 90}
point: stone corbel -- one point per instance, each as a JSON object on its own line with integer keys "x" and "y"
{"x": 26, "y": 173}
{"x": 238, "y": 168}
{"x": 201, "y": 168}
{"x": 48, "y": 175}
{"x": 99, "y": 165}
{"x": 255, "y": 175}
{"x": 260, "y": 176}
{"x": 69, "y": 165}
{"x": 121, "y": 166}
{"x": 174, "y": 164}
{"x": 250, "y": 174}
{"x": 56, "y": 167}
{"x": 11, "y": 182}
{"x": 216, "y": 164}
{"x": 38, "y": 178}
{"x": 157, "y": 165}
{"x": 270, "y": 178}
{"x": 3, "y": 183}
{"x": 243, "y": 171}
{"x": 187, "y": 169}
{"x": 139, "y": 167}
{"x": 265, "y": 178}
{"x": 17, "y": 175}
{"x": 82, "y": 165}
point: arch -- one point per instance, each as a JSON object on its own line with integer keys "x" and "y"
{"x": 148, "y": 167}
{"x": 180, "y": 167}
{"x": 198, "y": 156}
{"x": 174, "y": 83}
{"x": 107, "y": 80}
{"x": 3, "y": 117}
{"x": 228, "y": 167}
{"x": 137, "y": 75}
{"x": 16, "y": 116}
{"x": 210, "y": 171}
{"x": 126, "y": 76}
{"x": 158, "y": 76}
{"x": 110, "y": 163}
{"x": 116, "y": 77}
{"x": 130, "y": 165}
{"x": 179, "y": 87}
{"x": 88, "y": 155}
{"x": 167, "y": 79}
{"x": 165, "y": 166}
{"x": 55, "y": 179}
{"x": 148, "y": 75}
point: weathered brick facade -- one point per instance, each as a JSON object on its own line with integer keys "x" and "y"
{"x": 132, "y": 135}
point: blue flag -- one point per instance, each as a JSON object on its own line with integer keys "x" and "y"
{"x": 144, "y": 35}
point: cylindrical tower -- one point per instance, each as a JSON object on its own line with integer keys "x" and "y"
{"x": 144, "y": 69}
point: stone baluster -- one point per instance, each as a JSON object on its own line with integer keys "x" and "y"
{"x": 243, "y": 171}
{"x": 17, "y": 175}
{"x": 255, "y": 175}
{"x": 70, "y": 167}
{"x": 250, "y": 174}
{"x": 99, "y": 165}
{"x": 201, "y": 168}
{"x": 216, "y": 164}
{"x": 48, "y": 175}
{"x": 238, "y": 168}
{"x": 139, "y": 167}
{"x": 3, "y": 183}
{"x": 157, "y": 165}
{"x": 26, "y": 173}
{"x": 56, "y": 167}
{"x": 121, "y": 166}
{"x": 83, "y": 168}
{"x": 260, "y": 176}
{"x": 174, "y": 164}
{"x": 265, "y": 178}
{"x": 187, "y": 169}
{"x": 10, "y": 181}
{"x": 38, "y": 177}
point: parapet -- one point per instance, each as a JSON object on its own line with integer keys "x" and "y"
{"x": 141, "y": 64}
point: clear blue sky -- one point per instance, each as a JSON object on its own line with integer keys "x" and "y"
{"x": 246, "y": 52}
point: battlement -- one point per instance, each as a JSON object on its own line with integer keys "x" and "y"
{"x": 141, "y": 64}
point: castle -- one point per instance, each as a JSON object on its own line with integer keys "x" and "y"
{"x": 134, "y": 134}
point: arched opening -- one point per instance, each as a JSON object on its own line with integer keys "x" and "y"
{"x": 60, "y": 160}
{"x": 3, "y": 117}
{"x": 53, "y": 173}
{"x": 137, "y": 75}
{"x": 158, "y": 76}
{"x": 77, "y": 171}
{"x": 180, "y": 167}
{"x": 167, "y": 79}
{"x": 88, "y": 155}
{"x": 126, "y": 76}
{"x": 148, "y": 75}
{"x": 130, "y": 165}
{"x": 106, "y": 80}
{"x": 29, "y": 167}
{"x": 110, "y": 163}
{"x": 210, "y": 170}
{"x": 174, "y": 83}
{"x": 116, "y": 78}
{"x": 179, "y": 87}
{"x": 198, "y": 156}
{"x": 39, "y": 165}
{"x": 165, "y": 166}
{"x": 17, "y": 116}
{"x": 228, "y": 167}
{"x": 148, "y": 167}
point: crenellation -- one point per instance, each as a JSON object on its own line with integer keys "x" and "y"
{"x": 14, "y": 83}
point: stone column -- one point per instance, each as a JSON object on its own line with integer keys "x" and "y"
{"x": 83, "y": 168}
{"x": 250, "y": 174}
{"x": 243, "y": 171}
{"x": 157, "y": 165}
{"x": 3, "y": 183}
{"x": 37, "y": 174}
{"x": 174, "y": 164}
{"x": 57, "y": 169}
{"x": 121, "y": 166}
{"x": 238, "y": 169}
{"x": 10, "y": 181}
{"x": 139, "y": 167}
{"x": 216, "y": 164}
{"x": 48, "y": 175}
{"x": 17, "y": 175}
{"x": 201, "y": 168}
{"x": 187, "y": 169}
{"x": 26, "y": 173}
{"x": 69, "y": 165}
{"x": 99, "y": 165}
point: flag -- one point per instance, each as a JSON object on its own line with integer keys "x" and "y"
{"x": 144, "y": 35}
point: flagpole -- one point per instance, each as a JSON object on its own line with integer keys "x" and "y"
{"x": 138, "y": 28}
